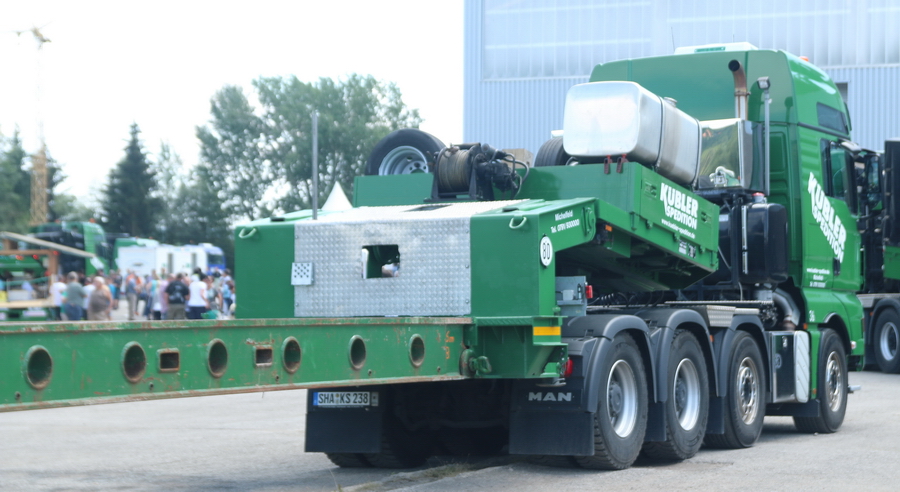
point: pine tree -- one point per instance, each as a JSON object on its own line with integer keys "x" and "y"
{"x": 15, "y": 185}
{"x": 128, "y": 204}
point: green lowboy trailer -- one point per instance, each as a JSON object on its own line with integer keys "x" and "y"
{"x": 682, "y": 261}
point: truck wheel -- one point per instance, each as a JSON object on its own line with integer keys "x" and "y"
{"x": 400, "y": 448}
{"x": 687, "y": 408}
{"x": 832, "y": 387}
{"x": 348, "y": 460}
{"x": 745, "y": 402}
{"x": 886, "y": 339}
{"x": 552, "y": 153}
{"x": 621, "y": 417}
{"x": 405, "y": 151}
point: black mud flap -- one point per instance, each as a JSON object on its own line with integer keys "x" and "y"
{"x": 550, "y": 420}
{"x": 336, "y": 426}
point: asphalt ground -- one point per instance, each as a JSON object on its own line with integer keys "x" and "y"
{"x": 255, "y": 442}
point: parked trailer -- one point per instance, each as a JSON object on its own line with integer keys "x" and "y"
{"x": 663, "y": 277}
{"x": 143, "y": 260}
{"x": 878, "y": 182}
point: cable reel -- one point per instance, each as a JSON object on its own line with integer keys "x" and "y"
{"x": 475, "y": 170}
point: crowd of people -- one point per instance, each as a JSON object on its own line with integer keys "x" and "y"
{"x": 156, "y": 296}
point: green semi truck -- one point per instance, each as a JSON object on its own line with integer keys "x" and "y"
{"x": 681, "y": 262}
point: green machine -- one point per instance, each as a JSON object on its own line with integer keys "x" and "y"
{"x": 678, "y": 264}
{"x": 86, "y": 236}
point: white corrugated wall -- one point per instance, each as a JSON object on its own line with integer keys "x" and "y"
{"x": 873, "y": 97}
{"x": 522, "y": 55}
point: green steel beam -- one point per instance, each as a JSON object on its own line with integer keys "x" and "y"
{"x": 63, "y": 364}
{"x": 45, "y": 365}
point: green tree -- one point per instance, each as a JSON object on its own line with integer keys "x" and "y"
{"x": 60, "y": 206}
{"x": 196, "y": 214}
{"x": 15, "y": 185}
{"x": 168, "y": 169}
{"x": 259, "y": 160}
{"x": 232, "y": 156}
{"x": 127, "y": 203}
{"x": 69, "y": 207}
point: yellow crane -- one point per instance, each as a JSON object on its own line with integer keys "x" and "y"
{"x": 39, "y": 203}
{"x": 39, "y": 186}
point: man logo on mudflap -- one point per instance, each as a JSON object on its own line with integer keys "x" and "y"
{"x": 539, "y": 396}
{"x": 828, "y": 220}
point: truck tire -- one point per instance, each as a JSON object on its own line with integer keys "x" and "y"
{"x": 886, "y": 341}
{"x": 400, "y": 448}
{"x": 348, "y": 460}
{"x": 405, "y": 151}
{"x": 621, "y": 417}
{"x": 832, "y": 387}
{"x": 746, "y": 398}
{"x": 687, "y": 408}
{"x": 552, "y": 153}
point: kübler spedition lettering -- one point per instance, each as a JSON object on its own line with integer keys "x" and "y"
{"x": 679, "y": 206}
{"x": 829, "y": 222}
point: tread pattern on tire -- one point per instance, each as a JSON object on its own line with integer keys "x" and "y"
{"x": 821, "y": 424}
{"x": 730, "y": 439}
{"x": 668, "y": 450}
{"x": 551, "y": 153}
{"x": 603, "y": 458}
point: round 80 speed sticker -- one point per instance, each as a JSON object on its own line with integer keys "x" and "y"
{"x": 546, "y": 251}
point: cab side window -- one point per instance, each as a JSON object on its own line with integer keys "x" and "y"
{"x": 839, "y": 176}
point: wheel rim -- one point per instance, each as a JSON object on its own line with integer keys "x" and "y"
{"x": 748, "y": 390}
{"x": 621, "y": 398}
{"x": 403, "y": 160}
{"x": 834, "y": 387}
{"x": 889, "y": 341}
{"x": 686, "y": 392}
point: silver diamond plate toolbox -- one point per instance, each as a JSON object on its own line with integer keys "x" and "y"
{"x": 434, "y": 276}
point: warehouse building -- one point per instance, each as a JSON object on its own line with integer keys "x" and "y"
{"x": 521, "y": 56}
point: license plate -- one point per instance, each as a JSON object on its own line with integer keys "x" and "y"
{"x": 345, "y": 399}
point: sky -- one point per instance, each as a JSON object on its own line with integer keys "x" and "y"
{"x": 158, "y": 64}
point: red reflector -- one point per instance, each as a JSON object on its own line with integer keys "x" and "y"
{"x": 20, "y": 257}
{"x": 570, "y": 366}
{"x": 589, "y": 291}
{"x": 34, "y": 256}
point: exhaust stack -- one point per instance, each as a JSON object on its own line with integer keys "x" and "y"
{"x": 741, "y": 94}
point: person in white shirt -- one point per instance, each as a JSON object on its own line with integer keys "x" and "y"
{"x": 56, "y": 292}
{"x": 197, "y": 304}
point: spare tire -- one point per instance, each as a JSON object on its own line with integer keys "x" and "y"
{"x": 552, "y": 153}
{"x": 405, "y": 151}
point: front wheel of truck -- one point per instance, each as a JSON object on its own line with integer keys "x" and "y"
{"x": 832, "y": 387}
